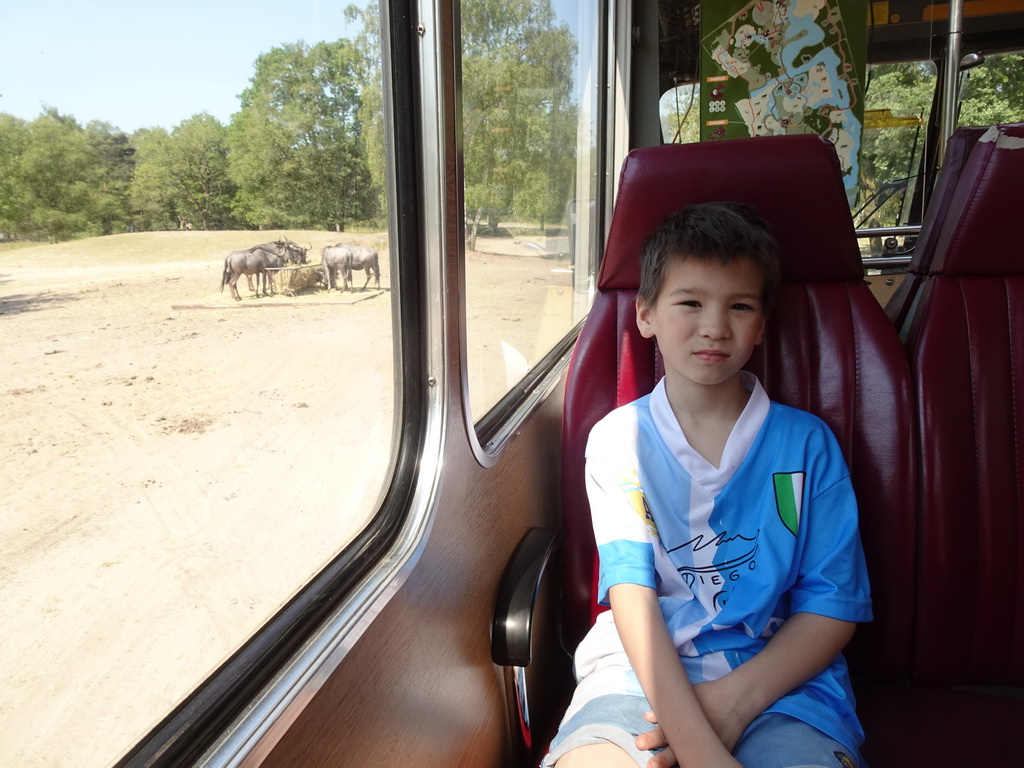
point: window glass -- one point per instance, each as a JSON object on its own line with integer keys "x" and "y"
{"x": 898, "y": 102}
{"x": 178, "y": 463}
{"x": 530, "y": 111}
{"x": 993, "y": 91}
{"x": 680, "y": 114}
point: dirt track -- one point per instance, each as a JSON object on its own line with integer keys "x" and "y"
{"x": 152, "y": 460}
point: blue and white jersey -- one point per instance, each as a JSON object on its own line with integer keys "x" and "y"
{"x": 732, "y": 552}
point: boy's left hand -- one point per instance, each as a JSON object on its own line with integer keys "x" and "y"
{"x": 727, "y": 707}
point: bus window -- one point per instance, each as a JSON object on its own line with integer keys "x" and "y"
{"x": 993, "y": 92}
{"x": 181, "y": 452}
{"x": 530, "y": 89}
{"x": 680, "y": 114}
{"x": 897, "y": 108}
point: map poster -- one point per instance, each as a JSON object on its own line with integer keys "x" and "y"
{"x": 790, "y": 66}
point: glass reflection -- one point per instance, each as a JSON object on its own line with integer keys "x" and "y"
{"x": 529, "y": 95}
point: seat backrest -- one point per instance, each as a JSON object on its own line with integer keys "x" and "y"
{"x": 958, "y": 149}
{"x": 966, "y": 346}
{"x": 829, "y": 349}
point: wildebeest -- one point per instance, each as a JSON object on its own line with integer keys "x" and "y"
{"x": 254, "y": 261}
{"x": 286, "y": 250}
{"x": 345, "y": 257}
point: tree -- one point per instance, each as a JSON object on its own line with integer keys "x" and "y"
{"x": 152, "y": 197}
{"x": 60, "y": 173}
{"x": 60, "y": 180}
{"x": 14, "y": 139}
{"x": 296, "y": 153}
{"x": 891, "y": 152}
{"x": 182, "y": 177}
{"x": 199, "y": 171}
{"x": 370, "y": 77}
{"x": 680, "y": 114}
{"x": 519, "y": 120}
{"x": 111, "y": 193}
{"x": 993, "y": 93}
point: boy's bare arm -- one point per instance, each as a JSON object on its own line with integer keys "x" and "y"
{"x": 653, "y": 657}
{"x": 803, "y": 646}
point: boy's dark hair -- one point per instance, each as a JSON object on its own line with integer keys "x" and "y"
{"x": 718, "y": 232}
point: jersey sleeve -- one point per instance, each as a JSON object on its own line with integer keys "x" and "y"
{"x": 621, "y": 517}
{"x": 832, "y": 577}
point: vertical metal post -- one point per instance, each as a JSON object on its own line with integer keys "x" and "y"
{"x": 951, "y": 78}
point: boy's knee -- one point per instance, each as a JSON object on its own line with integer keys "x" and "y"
{"x": 596, "y": 756}
{"x": 778, "y": 741}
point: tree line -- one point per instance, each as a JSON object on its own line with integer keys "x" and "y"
{"x": 307, "y": 147}
{"x": 991, "y": 94}
{"x": 296, "y": 155}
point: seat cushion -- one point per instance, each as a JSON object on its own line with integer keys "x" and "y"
{"x": 939, "y": 727}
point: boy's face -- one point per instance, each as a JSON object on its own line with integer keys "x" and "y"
{"x": 707, "y": 318}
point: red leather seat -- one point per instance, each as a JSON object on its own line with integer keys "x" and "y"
{"x": 830, "y": 349}
{"x": 966, "y": 345}
{"x": 958, "y": 149}
{"x": 965, "y": 341}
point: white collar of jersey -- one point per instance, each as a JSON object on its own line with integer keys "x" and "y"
{"x": 712, "y": 479}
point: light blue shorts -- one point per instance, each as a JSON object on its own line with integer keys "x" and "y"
{"x": 771, "y": 741}
{"x": 615, "y": 718}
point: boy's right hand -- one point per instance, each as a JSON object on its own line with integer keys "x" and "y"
{"x": 655, "y": 739}
{"x": 721, "y": 707}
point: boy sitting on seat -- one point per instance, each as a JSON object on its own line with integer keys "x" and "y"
{"x": 726, "y": 528}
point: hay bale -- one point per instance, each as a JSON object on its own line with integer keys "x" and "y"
{"x": 292, "y": 280}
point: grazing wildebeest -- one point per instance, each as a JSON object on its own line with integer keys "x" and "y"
{"x": 286, "y": 249}
{"x": 344, "y": 257}
{"x": 254, "y": 261}
{"x": 335, "y": 258}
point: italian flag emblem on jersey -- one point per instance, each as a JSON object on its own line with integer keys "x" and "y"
{"x": 789, "y": 496}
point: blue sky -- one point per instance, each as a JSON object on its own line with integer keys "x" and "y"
{"x": 142, "y": 63}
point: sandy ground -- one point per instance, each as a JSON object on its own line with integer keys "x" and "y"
{"x": 172, "y": 475}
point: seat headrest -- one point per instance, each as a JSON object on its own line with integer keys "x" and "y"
{"x": 958, "y": 150}
{"x": 794, "y": 182}
{"x": 978, "y": 236}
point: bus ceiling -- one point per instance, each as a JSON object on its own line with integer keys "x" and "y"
{"x": 909, "y": 30}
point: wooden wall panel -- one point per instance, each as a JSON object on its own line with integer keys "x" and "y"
{"x": 419, "y": 688}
